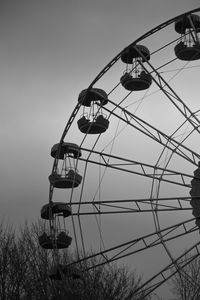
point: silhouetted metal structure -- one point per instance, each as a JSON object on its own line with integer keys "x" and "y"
{"x": 195, "y": 193}
{"x": 124, "y": 148}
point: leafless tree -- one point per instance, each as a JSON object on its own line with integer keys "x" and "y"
{"x": 25, "y": 265}
{"x": 12, "y": 264}
{"x": 186, "y": 285}
{"x": 111, "y": 281}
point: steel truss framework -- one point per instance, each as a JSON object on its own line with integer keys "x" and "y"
{"x": 157, "y": 173}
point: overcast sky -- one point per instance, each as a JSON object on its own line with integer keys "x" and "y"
{"x": 50, "y": 50}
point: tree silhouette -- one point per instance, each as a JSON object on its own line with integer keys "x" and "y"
{"x": 25, "y": 267}
{"x": 186, "y": 285}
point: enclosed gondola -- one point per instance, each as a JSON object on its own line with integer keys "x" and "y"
{"x": 188, "y": 47}
{"x": 136, "y": 78}
{"x": 93, "y": 121}
{"x": 60, "y": 242}
{"x": 70, "y": 179}
{"x": 67, "y": 176}
{"x": 195, "y": 194}
{"x": 60, "y": 208}
{"x": 58, "y": 272}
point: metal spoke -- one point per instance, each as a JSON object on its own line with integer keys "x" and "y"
{"x": 156, "y": 134}
{"x": 169, "y": 271}
{"x": 131, "y": 206}
{"x": 143, "y": 242}
{"x": 139, "y": 168}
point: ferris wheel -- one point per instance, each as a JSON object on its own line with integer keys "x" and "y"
{"x": 125, "y": 176}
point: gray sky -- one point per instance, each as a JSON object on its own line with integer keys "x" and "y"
{"x": 50, "y": 51}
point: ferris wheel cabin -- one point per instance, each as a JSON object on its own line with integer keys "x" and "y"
{"x": 68, "y": 177}
{"x": 60, "y": 150}
{"x": 195, "y": 193}
{"x": 135, "y": 79}
{"x": 188, "y": 47}
{"x": 93, "y": 121}
{"x": 61, "y": 241}
{"x": 59, "y": 271}
{"x": 57, "y": 208}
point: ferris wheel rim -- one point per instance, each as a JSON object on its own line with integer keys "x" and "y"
{"x": 102, "y": 72}
{"x": 157, "y": 28}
